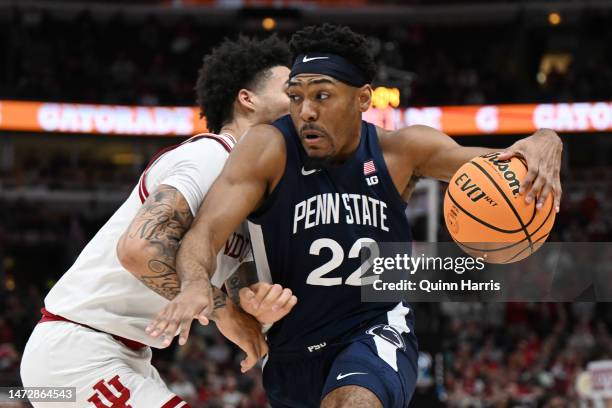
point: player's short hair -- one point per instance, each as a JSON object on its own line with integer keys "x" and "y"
{"x": 339, "y": 40}
{"x": 234, "y": 65}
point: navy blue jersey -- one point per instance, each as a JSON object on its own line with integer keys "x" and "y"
{"x": 308, "y": 237}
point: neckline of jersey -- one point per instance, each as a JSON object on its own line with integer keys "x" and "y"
{"x": 230, "y": 136}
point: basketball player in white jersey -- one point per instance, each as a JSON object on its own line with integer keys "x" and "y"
{"x": 92, "y": 333}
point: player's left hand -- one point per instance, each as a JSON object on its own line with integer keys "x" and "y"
{"x": 267, "y": 302}
{"x": 194, "y": 301}
{"x": 243, "y": 330}
{"x": 542, "y": 151}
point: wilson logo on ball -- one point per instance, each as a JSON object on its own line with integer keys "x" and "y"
{"x": 503, "y": 166}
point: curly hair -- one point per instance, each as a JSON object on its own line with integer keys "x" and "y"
{"x": 339, "y": 40}
{"x": 232, "y": 66}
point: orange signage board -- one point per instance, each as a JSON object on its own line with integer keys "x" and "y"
{"x": 500, "y": 119}
{"x": 185, "y": 121}
{"x": 100, "y": 119}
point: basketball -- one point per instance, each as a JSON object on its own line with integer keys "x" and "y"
{"x": 486, "y": 215}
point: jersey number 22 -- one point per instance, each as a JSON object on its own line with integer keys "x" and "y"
{"x": 316, "y": 277}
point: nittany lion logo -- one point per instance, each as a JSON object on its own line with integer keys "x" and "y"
{"x": 388, "y": 333}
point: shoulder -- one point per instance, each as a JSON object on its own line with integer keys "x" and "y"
{"x": 263, "y": 138}
{"x": 195, "y": 153}
{"x": 264, "y": 131}
{"x": 201, "y": 146}
{"x": 259, "y": 154}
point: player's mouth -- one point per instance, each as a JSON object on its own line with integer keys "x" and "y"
{"x": 312, "y": 138}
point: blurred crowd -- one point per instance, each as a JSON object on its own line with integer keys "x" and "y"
{"x": 520, "y": 354}
{"x": 148, "y": 60}
{"x": 62, "y": 171}
{"x": 586, "y": 208}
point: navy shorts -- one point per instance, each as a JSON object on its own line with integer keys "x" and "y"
{"x": 382, "y": 358}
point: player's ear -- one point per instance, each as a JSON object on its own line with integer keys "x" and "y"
{"x": 365, "y": 97}
{"x": 245, "y": 100}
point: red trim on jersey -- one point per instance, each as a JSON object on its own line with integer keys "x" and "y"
{"x": 225, "y": 145}
{"x": 47, "y": 316}
{"x": 174, "y": 402}
{"x": 142, "y": 185}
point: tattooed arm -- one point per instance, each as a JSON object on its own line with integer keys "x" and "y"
{"x": 148, "y": 247}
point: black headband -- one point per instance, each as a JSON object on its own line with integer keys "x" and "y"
{"x": 328, "y": 64}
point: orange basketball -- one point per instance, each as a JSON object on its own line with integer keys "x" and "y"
{"x": 486, "y": 215}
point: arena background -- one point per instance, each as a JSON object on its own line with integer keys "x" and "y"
{"x": 89, "y": 90}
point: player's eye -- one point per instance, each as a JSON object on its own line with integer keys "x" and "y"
{"x": 294, "y": 97}
{"x": 322, "y": 96}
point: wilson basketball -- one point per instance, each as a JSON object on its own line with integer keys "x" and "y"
{"x": 486, "y": 215}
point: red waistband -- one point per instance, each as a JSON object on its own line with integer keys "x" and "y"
{"x": 47, "y": 316}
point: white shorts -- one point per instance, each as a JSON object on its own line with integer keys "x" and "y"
{"x": 105, "y": 372}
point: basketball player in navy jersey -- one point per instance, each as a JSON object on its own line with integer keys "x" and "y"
{"x": 316, "y": 185}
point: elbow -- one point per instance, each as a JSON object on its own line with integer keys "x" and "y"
{"x": 131, "y": 255}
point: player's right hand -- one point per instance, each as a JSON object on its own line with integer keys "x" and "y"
{"x": 266, "y": 302}
{"x": 243, "y": 330}
{"x": 193, "y": 302}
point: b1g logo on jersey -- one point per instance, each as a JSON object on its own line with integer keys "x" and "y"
{"x": 369, "y": 168}
{"x": 117, "y": 397}
{"x": 388, "y": 333}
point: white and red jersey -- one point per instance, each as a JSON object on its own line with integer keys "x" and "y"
{"x": 98, "y": 292}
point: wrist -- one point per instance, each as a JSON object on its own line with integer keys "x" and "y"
{"x": 548, "y": 133}
{"x": 195, "y": 283}
{"x": 223, "y": 307}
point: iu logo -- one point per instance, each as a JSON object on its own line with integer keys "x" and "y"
{"x": 116, "y": 398}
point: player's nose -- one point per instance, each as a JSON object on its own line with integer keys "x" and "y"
{"x": 308, "y": 112}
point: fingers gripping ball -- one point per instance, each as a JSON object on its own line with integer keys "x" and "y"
{"x": 486, "y": 215}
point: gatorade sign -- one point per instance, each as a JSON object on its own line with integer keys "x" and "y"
{"x": 185, "y": 121}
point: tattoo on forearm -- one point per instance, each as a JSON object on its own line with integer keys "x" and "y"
{"x": 162, "y": 220}
{"x": 219, "y": 301}
{"x": 166, "y": 285}
{"x": 164, "y": 214}
{"x": 245, "y": 275}
{"x": 233, "y": 288}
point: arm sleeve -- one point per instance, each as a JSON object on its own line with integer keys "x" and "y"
{"x": 192, "y": 168}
